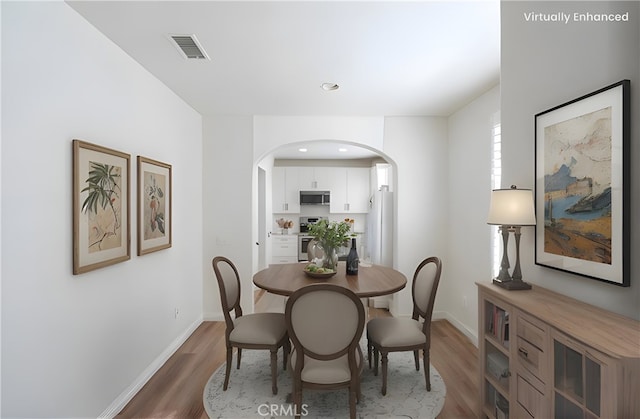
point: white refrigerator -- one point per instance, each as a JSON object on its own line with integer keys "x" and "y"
{"x": 380, "y": 228}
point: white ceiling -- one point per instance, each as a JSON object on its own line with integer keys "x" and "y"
{"x": 270, "y": 58}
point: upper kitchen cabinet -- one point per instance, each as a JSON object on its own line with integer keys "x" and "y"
{"x": 349, "y": 190}
{"x": 312, "y": 178}
{"x": 285, "y": 189}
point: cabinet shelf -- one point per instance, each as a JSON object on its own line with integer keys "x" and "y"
{"x": 499, "y": 346}
{"x": 495, "y": 357}
{"x": 496, "y": 402}
{"x": 499, "y": 387}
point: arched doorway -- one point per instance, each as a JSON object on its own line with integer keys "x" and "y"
{"x": 318, "y": 154}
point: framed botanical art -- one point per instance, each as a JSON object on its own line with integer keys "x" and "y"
{"x": 582, "y": 185}
{"x": 101, "y": 209}
{"x": 154, "y": 205}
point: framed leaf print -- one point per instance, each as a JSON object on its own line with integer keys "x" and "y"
{"x": 154, "y": 205}
{"x": 582, "y": 185}
{"x": 101, "y": 209}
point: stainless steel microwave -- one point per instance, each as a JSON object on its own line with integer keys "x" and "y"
{"x": 315, "y": 197}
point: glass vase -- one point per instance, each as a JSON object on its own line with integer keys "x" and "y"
{"x": 330, "y": 258}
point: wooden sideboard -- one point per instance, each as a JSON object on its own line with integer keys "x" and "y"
{"x": 545, "y": 355}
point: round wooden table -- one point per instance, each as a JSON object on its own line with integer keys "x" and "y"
{"x": 371, "y": 281}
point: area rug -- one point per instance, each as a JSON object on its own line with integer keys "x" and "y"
{"x": 249, "y": 393}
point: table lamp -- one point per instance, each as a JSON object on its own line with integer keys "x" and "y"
{"x": 511, "y": 209}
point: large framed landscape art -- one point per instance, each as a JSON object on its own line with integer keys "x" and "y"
{"x": 101, "y": 208}
{"x": 582, "y": 185}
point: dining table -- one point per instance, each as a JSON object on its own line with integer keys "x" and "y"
{"x": 371, "y": 280}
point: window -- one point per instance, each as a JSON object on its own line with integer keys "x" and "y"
{"x": 383, "y": 173}
{"x": 496, "y": 181}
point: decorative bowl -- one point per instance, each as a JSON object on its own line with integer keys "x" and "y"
{"x": 320, "y": 275}
{"x": 323, "y": 275}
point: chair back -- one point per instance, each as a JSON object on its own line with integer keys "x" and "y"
{"x": 229, "y": 285}
{"x": 424, "y": 288}
{"x": 325, "y": 322}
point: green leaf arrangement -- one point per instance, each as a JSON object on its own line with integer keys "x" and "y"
{"x": 330, "y": 234}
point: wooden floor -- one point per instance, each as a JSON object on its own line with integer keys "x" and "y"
{"x": 175, "y": 391}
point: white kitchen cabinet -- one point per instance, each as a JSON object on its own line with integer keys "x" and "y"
{"x": 350, "y": 190}
{"x": 314, "y": 178}
{"x": 285, "y": 190}
{"x": 284, "y": 249}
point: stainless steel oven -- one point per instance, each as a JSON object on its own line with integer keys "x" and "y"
{"x": 303, "y": 243}
{"x": 303, "y": 238}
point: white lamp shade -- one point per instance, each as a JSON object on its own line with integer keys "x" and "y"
{"x": 512, "y": 207}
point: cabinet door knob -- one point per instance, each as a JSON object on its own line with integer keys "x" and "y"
{"x": 523, "y": 352}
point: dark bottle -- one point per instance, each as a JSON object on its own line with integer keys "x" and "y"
{"x": 352, "y": 259}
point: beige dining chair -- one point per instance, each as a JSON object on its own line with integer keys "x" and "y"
{"x": 391, "y": 334}
{"x": 325, "y": 323}
{"x": 251, "y": 331}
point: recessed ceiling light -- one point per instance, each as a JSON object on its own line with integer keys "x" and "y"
{"x": 342, "y": 150}
{"x": 302, "y": 150}
{"x": 329, "y": 86}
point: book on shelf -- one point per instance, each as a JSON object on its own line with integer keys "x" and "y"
{"x": 499, "y": 325}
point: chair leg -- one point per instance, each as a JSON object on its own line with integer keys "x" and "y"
{"x": 355, "y": 384}
{"x": 297, "y": 399}
{"x": 369, "y": 352}
{"x": 286, "y": 350}
{"x": 416, "y": 357}
{"x": 274, "y": 370}
{"x": 385, "y": 361}
{"x": 352, "y": 403}
{"x": 376, "y": 355}
{"x": 239, "y": 357}
{"x": 228, "y": 367}
{"x": 427, "y": 368}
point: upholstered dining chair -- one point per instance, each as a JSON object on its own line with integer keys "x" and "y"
{"x": 325, "y": 323}
{"x": 391, "y": 334}
{"x": 252, "y": 331}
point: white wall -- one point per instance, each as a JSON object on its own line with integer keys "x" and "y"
{"x": 469, "y": 185}
{"x": 418, "y": 145}
{"x": 71, "y": 345}
{"x": 229, "y": 172}
{"x": 272, "y": 132}
{"x": 544, "y": 65}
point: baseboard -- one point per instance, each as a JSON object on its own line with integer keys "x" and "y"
{"x": 126, "y": 396}
{"x": 379, "y": 302}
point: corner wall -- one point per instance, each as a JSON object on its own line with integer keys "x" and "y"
{"x": 418, "y": 146}
{"x": 72, "y": 344}
{"x": 545, "y": 64}
{"x": 469, "y": 185}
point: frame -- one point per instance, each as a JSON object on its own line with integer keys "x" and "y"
{"x": 101, "y": 209}
{"x": 582, "y": 191}
{"x": 154, "y": 205}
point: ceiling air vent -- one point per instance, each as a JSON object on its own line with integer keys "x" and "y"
{"x": 189, "y": 47}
